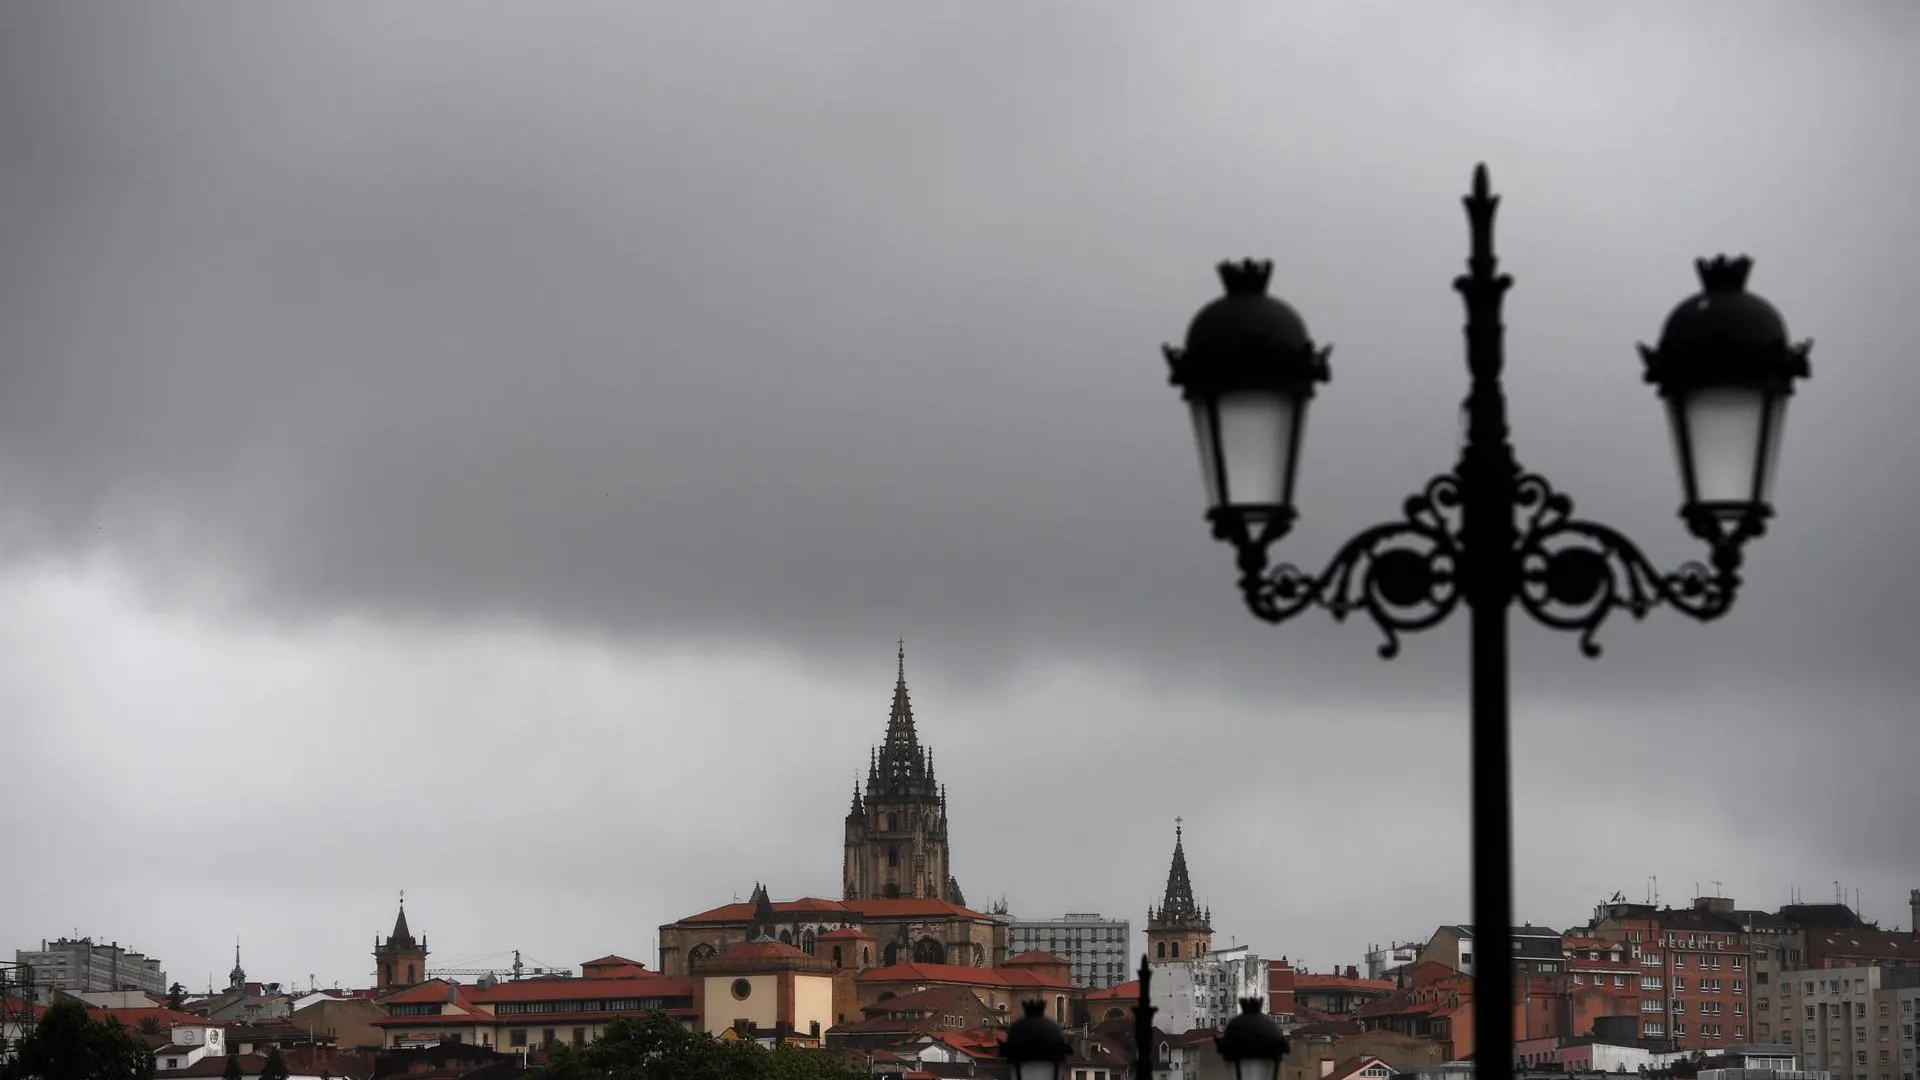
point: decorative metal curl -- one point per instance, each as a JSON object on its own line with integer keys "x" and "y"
{"x": 1574, "y": 573}
{"x": 1403, "y": 574}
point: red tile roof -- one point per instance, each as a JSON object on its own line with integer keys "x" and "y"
{"x": 954, "y": 973}
{"x": 571, "y": 989}
{"x": 1304, "y": 983}
{"x": 933, "y": 998}
{"x": 165, "y": 1017}
{"x": 1035, "y": 957}
{"x": 1128, "y": 991}
{"x": 743, "y": 912}
{"x": 613, "y": 960}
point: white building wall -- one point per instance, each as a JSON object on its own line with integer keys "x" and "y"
{"x": 1206, "y": 993}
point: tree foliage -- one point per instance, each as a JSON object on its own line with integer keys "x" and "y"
{"x": 68, "y": 1044}
{"x": 176, "y": 997}
{"x": 232, "y": 1071}
{"x": 275, "y": 1067}
{"x": 659, "y": 1048}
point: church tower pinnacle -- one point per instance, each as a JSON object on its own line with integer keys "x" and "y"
{"x": 401, "y": 961}
{"x": 896, "y": 843}
{"x": 1179, "y": 929}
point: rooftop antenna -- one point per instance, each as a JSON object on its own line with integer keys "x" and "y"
{"x": 1656, "y": 887}
{"x": 1839, "y": 894}
{"x": 1716, "y": 888}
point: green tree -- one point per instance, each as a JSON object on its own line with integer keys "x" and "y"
{"x": 176, "y": 997}
{"x": 275, "y": 1068}
{"x": 68, "y": 1044}
{"x": 232, "y": 1071}
{"x": 148, "y": 1025}
{"x": 659, "y": 1048}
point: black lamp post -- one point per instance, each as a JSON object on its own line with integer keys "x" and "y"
{"x": 1252, "y": 1045}
{"x": 1035, "y": 1048}
{"x": 1486, "y": 533}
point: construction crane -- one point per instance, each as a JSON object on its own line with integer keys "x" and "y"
{"x": 515, "y": 973}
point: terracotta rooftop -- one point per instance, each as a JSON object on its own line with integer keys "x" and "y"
{"x": 1308, "y": 983}
{"x": 954, "y": 973}
{"x": 569, "y": 989}
{"x": 613, "y": 960}
{"x": 1035, "y": 957}
{"x": 1127, "y": 991}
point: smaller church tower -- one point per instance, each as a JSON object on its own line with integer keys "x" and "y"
{"x": 1179, "y": 929}
{"x": 237, "y": 978}
{"x": 401, "y": 961}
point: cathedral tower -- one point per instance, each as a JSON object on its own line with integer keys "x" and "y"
{"x": 897, "y": 828}
{"x": 401, "y": 962}
{"x": 1179, "y": 929}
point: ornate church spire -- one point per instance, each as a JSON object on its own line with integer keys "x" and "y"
{"x": 1177, "y": 907}
{"x": 902, "y": 766}
{"x": 237, "y": 978}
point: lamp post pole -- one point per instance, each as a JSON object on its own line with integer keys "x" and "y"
{"x": 1487, "y": 534}
{"x": 1487, "y": 538}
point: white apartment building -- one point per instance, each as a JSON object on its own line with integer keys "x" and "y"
{"x": 1206, "y": 992}
{"x": 1096, "y": 950}
{"x": 78, "y": 966}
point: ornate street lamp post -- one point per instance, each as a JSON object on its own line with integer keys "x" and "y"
{"x": 1486, "y": 533}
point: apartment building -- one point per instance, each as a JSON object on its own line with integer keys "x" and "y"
{"x": 78, "y": 966}
{"x": 1096, "y": 950}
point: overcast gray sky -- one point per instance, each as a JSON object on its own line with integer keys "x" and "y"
{"x": 489, "y": 450}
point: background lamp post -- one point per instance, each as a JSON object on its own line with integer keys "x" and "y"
{"x": 1486, "y": 533}
{"x": 1035, "y": 1048}
{"x": 1252, "y": 1044}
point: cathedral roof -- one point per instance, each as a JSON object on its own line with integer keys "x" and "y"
{"x": 955, "y": 974}
{"x": 843, "y": 910}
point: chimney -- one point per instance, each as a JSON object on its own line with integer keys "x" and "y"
{"x": 1913, "y": 901}
{"x": 1352, "y": 972}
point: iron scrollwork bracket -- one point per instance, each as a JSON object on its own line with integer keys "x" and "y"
{"x": 1404, "y": 575}
{"x": 1567, "y": 572}
{"x": 1573, "y": 573}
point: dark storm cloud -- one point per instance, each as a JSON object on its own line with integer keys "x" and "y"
{"x": 734, "y": 324}
{"x": 832, "y": 326}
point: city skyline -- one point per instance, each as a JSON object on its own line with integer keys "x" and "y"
{"x": 494, "y": 456}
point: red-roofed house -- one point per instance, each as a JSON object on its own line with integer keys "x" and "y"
{"x": 769, "y": 991}
{"x": 529, "y": 1012}
{"x": 1003, "y": 988}
{"x": 614, "y": 967}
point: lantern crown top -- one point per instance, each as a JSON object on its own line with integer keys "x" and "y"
{"x": 1248, "y": 277}
{"x": 1725, "y": 334}
{"x": 1724, "y": 274}
{"x": 1252, "y": 1035}
{"x": 1033, "y": 1037}
{"x": 1247, "y": 338}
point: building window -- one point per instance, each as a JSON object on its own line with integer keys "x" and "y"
{"x": 579, "y": 1037}
{"x": 741, "y": 989}
{"x": 517, "y": 1037}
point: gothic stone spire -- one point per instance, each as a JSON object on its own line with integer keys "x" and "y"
{"x": 902, "y": 766}
{"x": 1177, "y": 907}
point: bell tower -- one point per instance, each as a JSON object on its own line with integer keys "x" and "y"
{"x": 1178, "y": 929}
{"x": 401, "y": 961}
{"x": 896, "y": 843}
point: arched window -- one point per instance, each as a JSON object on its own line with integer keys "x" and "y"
{"x": 893, "y": 858}
{"x": 891, "y": 823}
{"x": 837, "y": 962}
{"x": 410, "y": 978}
{"x": 929, "y": 951}
{"x": 700, "y": 953}
{"x": 1114, "y": 1014}
{"x": 866, "y": 956}
{"x": 1176, "y": 950}
{"x": 786, "y": 937}
{"x": 891, "y": 956}
{"x": 807, "y": 944}
{"x": 1160, "y": 951}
